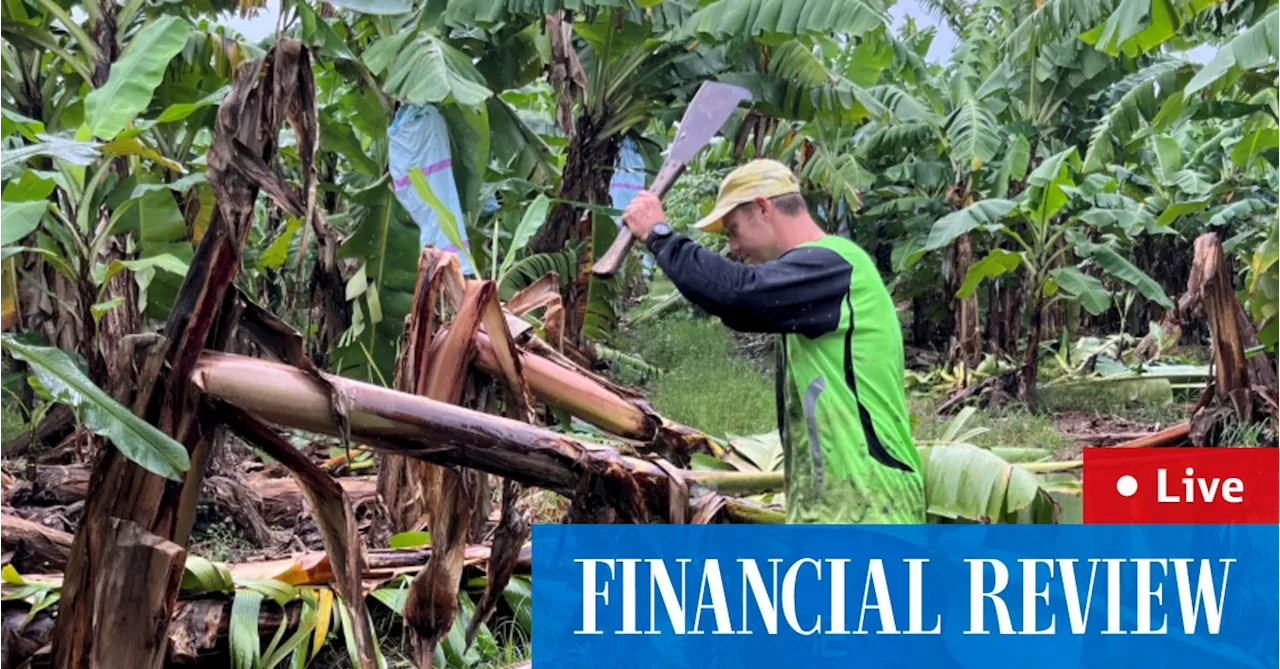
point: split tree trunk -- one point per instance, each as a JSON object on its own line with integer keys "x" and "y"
{"x": 1241, "y": 387}
{"x": 122, "y": 610}
{"x": 399, "y": 423}
{"x": 247, "y": 121}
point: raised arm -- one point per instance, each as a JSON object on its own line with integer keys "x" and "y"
{"x": 799, "y": 292}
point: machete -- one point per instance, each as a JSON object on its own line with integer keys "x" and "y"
{"x": 707, "y": 112}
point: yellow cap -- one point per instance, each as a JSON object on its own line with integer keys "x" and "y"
{"x": 758, "y": 178}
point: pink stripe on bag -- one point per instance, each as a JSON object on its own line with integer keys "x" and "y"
{"x": 426, "y": 172}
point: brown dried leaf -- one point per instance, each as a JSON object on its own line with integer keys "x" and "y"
{"x": 332, "y": 513}
{"x": 553, "y": 326}
{"x": 448, "y": 367}
{"x": 274, "y": 336}
{"x": 505, "y": 352}
{"x": 706, "y": 508}
{"x": 296, "y": 93}
{"x": 567, "y": 75}
{"x": 540, "y": 293}
{"x": 401, "y": 479}
{"x": 432, "y": 601}
{"x": 512, "y": 531}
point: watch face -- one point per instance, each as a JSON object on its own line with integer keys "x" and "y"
{"x": 661, "y": 230}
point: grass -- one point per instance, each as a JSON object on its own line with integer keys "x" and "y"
{"x": 705, "y": 383}
{"x": 220, "y": 541}
{"x": 1007, "y": 426}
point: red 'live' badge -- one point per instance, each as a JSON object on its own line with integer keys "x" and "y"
{"x": 1181, "y": 485}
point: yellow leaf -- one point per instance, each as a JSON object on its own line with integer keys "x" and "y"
{"x": 10, "y": 575}
{"x": 324, "y": 616}
{"x": 132, "y": 146}
{"x": 975, "y": 164}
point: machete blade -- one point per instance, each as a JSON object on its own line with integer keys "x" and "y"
{"x": 710, "y": 108}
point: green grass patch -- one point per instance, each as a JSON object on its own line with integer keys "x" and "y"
{"x": 1011, "y": 426}
{"x": 705, "y": 384}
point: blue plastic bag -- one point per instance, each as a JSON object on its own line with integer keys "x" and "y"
{"x": 627, "y": 182}
{"x": 419, "y": 139}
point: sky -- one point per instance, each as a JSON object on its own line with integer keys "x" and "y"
{"x": 944, "y": 41}
{"x": 257, "y": 27}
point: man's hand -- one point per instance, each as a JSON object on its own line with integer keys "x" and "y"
{"x": 642, "y": 214}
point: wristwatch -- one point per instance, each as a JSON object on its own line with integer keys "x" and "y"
{"x": 659, "y": 230}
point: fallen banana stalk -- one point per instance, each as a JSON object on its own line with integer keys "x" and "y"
{"x": 34, "y": 546}
{"x": 583, "y": 395}
{"x": 400, "y": 423}
{"x": 737, "y": 483}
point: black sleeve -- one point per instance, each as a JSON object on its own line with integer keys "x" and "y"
{"x": 799, "y": 292}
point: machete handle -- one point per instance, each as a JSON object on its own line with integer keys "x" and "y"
{"x": 612, "y": 260}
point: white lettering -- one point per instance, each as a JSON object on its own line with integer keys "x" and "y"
{"x": 719, "y": 605}
{"x": 837, "y": 596}
{"x": 1161, "y": 486}
{"x": 1113, "y": 596}
{"x": 589, "y": 600}
{"x": 1145, "y": 595}
{"x": 1208, "y": 488}
{"x": 1079, "y": 620}
{"x": 629, "y": 595}
{"x": 883, "y": 605}
{"x": 661, "y": 580}
{"x": 1030, "y": 595}
{"x": 1213, "y": 603}
{"x": 915, "y": 593}
{"x": 789, "y": 596}
{"x": 977, "y": 593}
{"x": 766, "y": 604}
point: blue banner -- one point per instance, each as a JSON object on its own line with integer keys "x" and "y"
{"x": 887, "y": 596}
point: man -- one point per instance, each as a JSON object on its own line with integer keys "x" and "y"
{"x": 842, "y": 412}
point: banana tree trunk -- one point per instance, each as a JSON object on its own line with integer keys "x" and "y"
{"x": 1244, "y": 387}
{"x": 128, "y": 503}
{"x": 1031, "y": 357}
{"x": 587, "y": 169}
{"x": 968, "y": 340}
{"x": 575, "y": 393}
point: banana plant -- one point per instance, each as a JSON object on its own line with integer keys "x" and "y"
{"x": 1264, "y": 296}
{"x": 88, "y": 186}
{"x": 1046, "y": 239}
{"x": 372, "y": 57}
